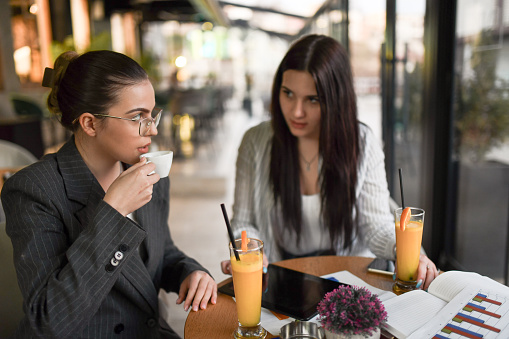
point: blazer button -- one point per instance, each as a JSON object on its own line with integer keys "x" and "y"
{"x": 109, "y": 268}
{"x": 114, "y": 262}
{"x": 123, "y": 248}
{"x": 119, "y": 255}
{"x": 119, "y": 328}
{"x": 151, "y": 322}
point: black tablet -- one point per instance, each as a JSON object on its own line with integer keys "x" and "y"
{"x": 290, "y": 292}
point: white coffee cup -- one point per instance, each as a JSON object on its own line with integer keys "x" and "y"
{"x": 162, "y": 160}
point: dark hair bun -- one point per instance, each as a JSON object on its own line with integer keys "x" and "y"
{"x": 60, "y": 67}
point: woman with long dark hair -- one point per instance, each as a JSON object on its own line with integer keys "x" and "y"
{"x": 312, "y": 180}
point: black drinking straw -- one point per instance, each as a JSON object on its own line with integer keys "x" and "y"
{"x": 401, "y": 188}
{"x": 230, "y": 233}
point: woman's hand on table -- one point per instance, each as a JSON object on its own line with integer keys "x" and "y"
{"x": 426, "y": 272}
{"x": 226, "y": 266}
{"x": 197, "y": 289}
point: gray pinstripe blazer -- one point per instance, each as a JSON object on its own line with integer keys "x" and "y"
{"x": 65, "y": 240}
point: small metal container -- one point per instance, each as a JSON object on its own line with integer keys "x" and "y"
{"x": 301, "y": 330}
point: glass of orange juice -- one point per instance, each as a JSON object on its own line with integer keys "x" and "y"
{"x": 408, "y": 249}
{"x": 247, "y": 283}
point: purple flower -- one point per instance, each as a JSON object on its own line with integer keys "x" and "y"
{"x": 351, "y": 309}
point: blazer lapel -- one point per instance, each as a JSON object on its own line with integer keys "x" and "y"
{"x": 145, "y": 216}
{"x": 80, "y": 184}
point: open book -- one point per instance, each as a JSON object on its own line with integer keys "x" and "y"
{"x": 457, "y": 304}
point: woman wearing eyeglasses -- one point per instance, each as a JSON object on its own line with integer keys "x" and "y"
{"x": 89, "y": 225}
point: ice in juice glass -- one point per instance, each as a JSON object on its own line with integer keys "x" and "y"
{"x": 408, "y": 250}
{"x": 247, "y": 283}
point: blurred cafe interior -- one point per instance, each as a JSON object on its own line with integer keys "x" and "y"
{"x": 431, "y": 77}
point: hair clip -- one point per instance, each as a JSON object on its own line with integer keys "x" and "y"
{"x": 48, "y": 77}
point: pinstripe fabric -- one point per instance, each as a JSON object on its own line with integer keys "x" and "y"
{"x": 253, "y": 208}
{"x": 64, "y": 236}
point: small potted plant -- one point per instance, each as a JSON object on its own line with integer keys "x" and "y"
{"x": 351, "y": 312}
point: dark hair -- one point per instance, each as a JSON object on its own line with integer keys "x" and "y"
{"x": 329, "y": 65}
{"x": 90, "y": 83}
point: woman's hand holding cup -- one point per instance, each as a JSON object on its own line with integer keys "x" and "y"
{"x": 133, "y": 188}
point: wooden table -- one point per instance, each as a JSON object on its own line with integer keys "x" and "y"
{"x": 220, "y": 320}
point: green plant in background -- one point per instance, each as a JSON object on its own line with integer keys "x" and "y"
{"x": 150, "y": 64}
{"x": 102, "y": 41}
{"x": 97, "y": 42}
{"x": 58, "y": 47}
{"x": 482, "y": 105}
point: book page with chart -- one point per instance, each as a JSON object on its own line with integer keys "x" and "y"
{"x": 446, "y": 295}
{"x": 475, "y": 312}
{"x": 448, "y": 284}
{"x": 410, "y": 311}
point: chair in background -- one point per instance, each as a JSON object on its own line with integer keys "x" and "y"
{"x": 11, "y": 300}
{"x": 26, "y": 107}
{"x": 13, "y": 155}
{"x": 12, "y": 158}
{"x": 203, "y": 107}
{"x": 25, "y": 127}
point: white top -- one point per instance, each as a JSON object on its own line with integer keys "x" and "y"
{"x": 253, "y": 206}
{"x": 313, "y": 235}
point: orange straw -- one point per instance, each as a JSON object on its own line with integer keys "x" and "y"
{"x": 405, "y": 218}
{"x": 243, "y": 245}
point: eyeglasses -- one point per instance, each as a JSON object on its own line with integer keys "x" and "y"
{"x": 145, "y": 123}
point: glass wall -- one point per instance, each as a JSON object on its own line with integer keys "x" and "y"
{"x": 332, "y": 20}
{"x": 377, "y": 69}
{"x": 366, "y": 36}
{"x": 481, "y": 137}
{"x": 407, "y": 130}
